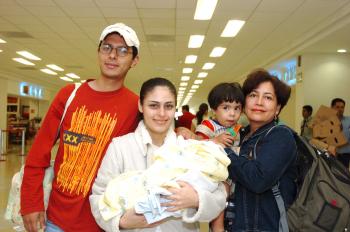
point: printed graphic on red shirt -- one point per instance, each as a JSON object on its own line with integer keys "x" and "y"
{"x": 84, "y": 143}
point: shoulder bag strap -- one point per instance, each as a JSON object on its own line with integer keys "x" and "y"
{"x": 69, "y": 101}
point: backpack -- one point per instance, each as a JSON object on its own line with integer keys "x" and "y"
{"x": 322, "y": 202}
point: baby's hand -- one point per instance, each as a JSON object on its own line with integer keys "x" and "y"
{"x": 226, "y": 139}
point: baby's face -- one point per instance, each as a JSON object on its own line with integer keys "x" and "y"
{"x": 228, "y": 113}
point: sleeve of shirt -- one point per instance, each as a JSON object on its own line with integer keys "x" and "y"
{"x": 211, "y": 204}
{"x": 39, "y": 156}
{"x": 110, "y": 167}
{"x": 275, "y": 152}
{"x": 205, "y": 129}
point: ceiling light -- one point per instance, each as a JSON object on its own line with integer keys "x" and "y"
{"x": 190, "y": 59}
{"x": 82, "y": 81}
{"x": 197, "y": 82}
{"x": 186, "y": 70}
{"x": 202, "y": 74}
{"x": 55, "y": 67}
{"x": 232, "y": 28}
{"x": 28, "y": 55}
{"x": 207, "y": 66}
{"x": 182, "y": 88}
{"x": 183, "y": 84}
{"x": 180, "y": 92}
{"x": 66, "y": 79}
{"x": 72, "y": 75}
{"x": 192, "y": 90}
{"x": 217, "y": 52}
{"x": 48, "y": 71}
{"x": 341, "y": 50}
{"x": 196, "y": 41}
{"x": 190, "y": 94}
{"x": 204, "y": 9}
{"x": 0, "y": 50}
{"x": 185, "y": 78}
{"x": 2, "y": 41}
{"x": 194, "y": 86}
{"x": 23, "y": 61}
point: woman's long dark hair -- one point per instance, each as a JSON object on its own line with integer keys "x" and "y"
{"x": 203, "y": 108}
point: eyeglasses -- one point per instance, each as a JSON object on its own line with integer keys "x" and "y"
{"x": 108, "y": 48}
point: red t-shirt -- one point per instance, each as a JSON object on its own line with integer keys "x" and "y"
{"x": 92, "y": 120}
{"x": 185, "y": 120}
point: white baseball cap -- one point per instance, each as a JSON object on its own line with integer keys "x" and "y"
{"x": 126, "y": 32}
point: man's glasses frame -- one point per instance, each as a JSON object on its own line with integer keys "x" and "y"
{"x": 121, "y": 51}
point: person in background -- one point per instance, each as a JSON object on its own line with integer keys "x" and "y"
{"x": 267, "y": 155}
{"x": 343, "y": 152}
{"x": 185, "y": 120}
{"x": 134, "y": 151}
{"x": 306, "y": 123}
{"x": 201, "y": 115}
{"x": 101, "y": 109}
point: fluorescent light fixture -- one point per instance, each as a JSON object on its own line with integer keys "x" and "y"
{"x": 185, "y": 78}
{"x": 72, "y": 75}
{"x": 217, "y": 52}
{"x": 190, "y": 59}
{"x": 202, "y": 74}
{"x": 208, "y": 66}
{"x": 2, "y": 41}
{"x": 23, "y": 61}
{"x": 48, "y": 71}
{"x": 183, "y": 84}
{"x": 66, "y": 79}
{"x": 187, "y": 70}
{"x": 28, "y": 55}
{"x": 190, "y": 94}
{"x": 55, "y": 67}
{"x": 204, "y": 9}
{"x": 196, "y": 41}
{"x": 341, "y": 50}
{"x": 180, "y": 92}
{"x": 194, "y": 86}
{"x": 182, "y": 88}
{"x": 192, "y": 90}
{"x": 0, "y": 50}
{"x": 197, "y": 82}
{"x": 232, "y": 28}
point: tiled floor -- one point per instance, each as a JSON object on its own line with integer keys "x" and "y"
{"x": 7, "y": 169}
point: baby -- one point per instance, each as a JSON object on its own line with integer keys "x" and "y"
{"x": 202, "y": 164}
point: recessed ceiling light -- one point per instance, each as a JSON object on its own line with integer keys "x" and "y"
{"x": 205, "y": 9}
{"x": 196, "y": 41}
{"x": 197, "y": 82}
{"x": 182, "y": 88}
{"x": 28, "y": 55}
{"x": 55, "y": 67}
{"x": 190, "y": 59}
{"x": 183, "y": 84}
{"x": 232, "y": 28}
{"x": 0, "y": 50}
{"x": 341, "y": 50}
{"x": 23, "y": 61}
{"x": 2, "y": 41}
{"x": 194, "y": 86}
{"x": 187, "y": 70}
{"x": 192, "y": 90}
{"x": 207, "y": 66}
{"x": 72, "y": 75}
{"x": 48, "y": 71}
{"x": 185, "y": 78}
{"x": 66, "y": 79}
{"x": 202, "y": 74}
{"x": 217, "y": 52}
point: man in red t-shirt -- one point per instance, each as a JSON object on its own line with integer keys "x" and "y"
{"x": 101, "y": 109}
{"x": 185, "y": 120}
